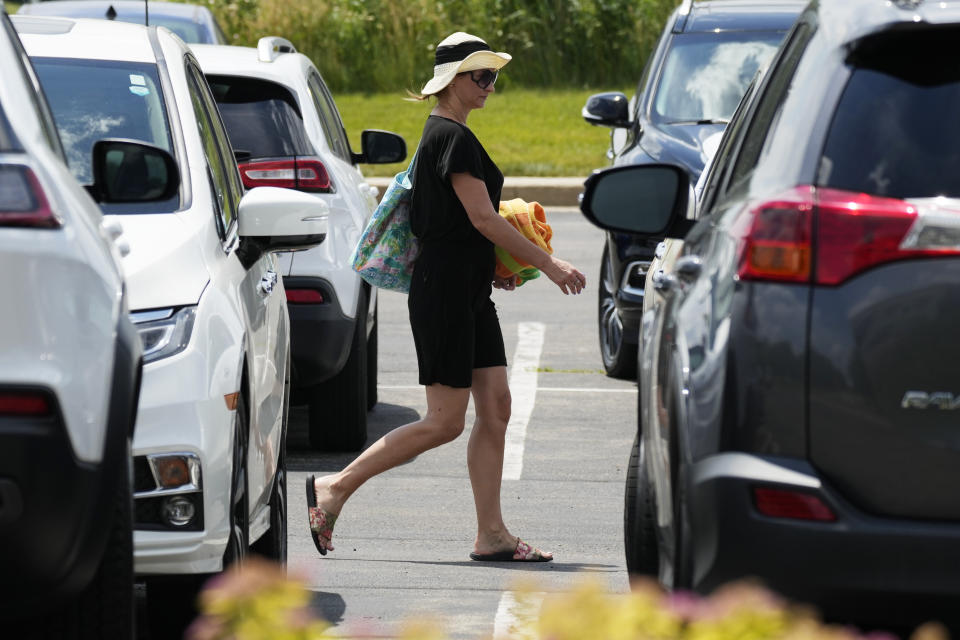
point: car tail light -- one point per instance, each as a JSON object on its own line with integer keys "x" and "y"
{"x": 856, "y": 231}
{"x": 826, "y": 236}
{"x": 22, "y": 200}
{"x": 783, "y": 503}
{"x": 775, "y": 238}
{"x": 304, "y": 296}
{"x": 25, "y": 404}
{"x": 303, "y": 174}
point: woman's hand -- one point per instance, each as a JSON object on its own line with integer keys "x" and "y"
{"x": 565, "y": 275}
{"x": 507, "y": 284}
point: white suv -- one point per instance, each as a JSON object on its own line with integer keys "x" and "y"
{"x": 286, "y": 131}
{"x": 209, "y": 472}
{"x": 69, "y": 378}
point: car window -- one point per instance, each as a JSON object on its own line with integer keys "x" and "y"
{"x": 219, "y": 35}
{"x": 719, "y": 163}
{"x": 895, "y": 131}
{"x": 774, "y": 92}
{"x": 189, "y": 31}
{"x": 217, "y": 169}
{"x": 330, "y": 118}
{"x": 35, "y": 91}
{"x": 263, "y": 118}
{"x": 705, "y": 74}
{"x": 96, "y": 99}
{"x": 222, "y": 136}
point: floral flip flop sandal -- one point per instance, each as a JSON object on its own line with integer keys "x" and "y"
{"x": 321, "y": 520}
{"x": 523, "y": 553}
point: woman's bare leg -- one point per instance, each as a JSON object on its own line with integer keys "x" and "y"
{"x": 491, "y": 399}
{"x": 446, "y": 412}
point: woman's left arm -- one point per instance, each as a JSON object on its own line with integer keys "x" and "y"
{"x": 472, "y": 193}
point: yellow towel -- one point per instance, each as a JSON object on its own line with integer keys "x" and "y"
{"x": 530, "y": 220}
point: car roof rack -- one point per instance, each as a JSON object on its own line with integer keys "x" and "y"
{"x": 269, "y": 48}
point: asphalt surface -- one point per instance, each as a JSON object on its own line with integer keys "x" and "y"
{"x": 402, "y": 541}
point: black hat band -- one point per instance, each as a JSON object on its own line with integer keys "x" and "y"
{"x": 457, "y": 52}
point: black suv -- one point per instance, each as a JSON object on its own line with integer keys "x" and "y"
{"x": 705, "y": 58}
{"x": 798, "y": 382}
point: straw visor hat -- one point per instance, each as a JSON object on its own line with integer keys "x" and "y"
{"x": 461, "y": 52}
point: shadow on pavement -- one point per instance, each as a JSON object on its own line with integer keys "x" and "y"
{"x": 329, "y": 606}
{"x": 300, "y": 457}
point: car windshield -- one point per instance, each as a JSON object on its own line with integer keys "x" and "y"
{"x": 96, "y": 99}
{"x": 706, "y": 74}
{"x": 262, "y": 118}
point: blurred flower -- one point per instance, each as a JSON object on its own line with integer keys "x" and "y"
{"x": 256, "y": 601}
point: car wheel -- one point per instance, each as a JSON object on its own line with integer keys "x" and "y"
{"x": 639, "y": 518}
{"x": 683, "y": 545}
{"x": 372, "y": 363}
{"x": 273, "y": 544}
{"x": 338, "y": 407}
{"x": 238, "y": 543}
{"x": 619, "y": 359}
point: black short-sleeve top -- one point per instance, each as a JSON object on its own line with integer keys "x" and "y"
{"x": 437, "y": 215}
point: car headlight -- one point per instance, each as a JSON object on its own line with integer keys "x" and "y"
{"x": 164, "y": 332}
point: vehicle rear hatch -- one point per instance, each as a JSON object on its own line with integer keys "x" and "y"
{"x": 884, "y": 392}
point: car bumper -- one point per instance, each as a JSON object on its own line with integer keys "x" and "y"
{"x": 320, "y": 334}
{"x": 56, "y": 512}
{"x": 181, "y": 413}
{"x": 859, "y": 566}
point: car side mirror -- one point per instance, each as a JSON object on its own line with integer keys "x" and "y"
{"x": 607, "y": 109}
{"x": 132, "y": 171}
{"x": 277, "y": 219}
{"x": 380, "y": 147}
{"x": 649, "y": 200}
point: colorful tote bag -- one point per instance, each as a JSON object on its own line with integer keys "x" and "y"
{"x": 387, "y": 248}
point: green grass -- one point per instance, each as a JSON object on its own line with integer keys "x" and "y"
{"x": 527, "y": 132}
{"x": 11, "y": 7}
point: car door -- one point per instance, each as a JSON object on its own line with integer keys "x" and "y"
{"x": 258, "y": 292}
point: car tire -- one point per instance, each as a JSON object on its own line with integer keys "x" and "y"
{"x": 238, "y": 544}
{"x": 372, "y": 363}
{"x": 273, "y": 544}
{"x": 338, "y": 407}
{"x": 619, "y": 358}
{"x": 639, "y": 518}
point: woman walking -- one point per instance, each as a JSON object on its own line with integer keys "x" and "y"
{"x": 456, "y": 193}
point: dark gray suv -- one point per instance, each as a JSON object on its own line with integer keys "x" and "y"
{"x": 799, "y": 386}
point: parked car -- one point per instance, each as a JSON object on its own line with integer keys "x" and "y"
{"x": 205, "y": 295}
{"x": 192, "y": 22}
{"x": 798, "y": 387}
{"x": 286, "y": 131}
{"x": 69, "y": 379}
{"x": 702, "y": 64}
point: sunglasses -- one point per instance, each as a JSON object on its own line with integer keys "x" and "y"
{"x": 484, "y": 77}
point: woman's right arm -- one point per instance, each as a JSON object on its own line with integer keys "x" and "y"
{"x": 472, "y": 193}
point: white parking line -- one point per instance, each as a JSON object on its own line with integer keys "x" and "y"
{"x": 411, "y": 387}
{"x": 523, "y": 391}
{"x": 513, "y": 617}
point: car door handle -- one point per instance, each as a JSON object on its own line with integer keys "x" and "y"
{"x": 688, "y": 268}
{"x": 663, "y": 282}
{"x": 267, "y": 283}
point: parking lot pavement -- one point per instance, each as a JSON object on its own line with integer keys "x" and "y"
{"x": 402, "y": 542}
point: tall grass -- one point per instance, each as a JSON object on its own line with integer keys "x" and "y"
{"x": 527, "y": 132}
{"x": 387, "y": 45}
